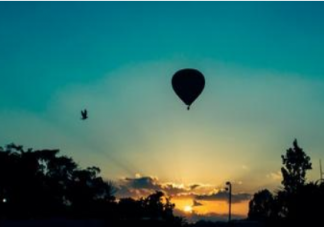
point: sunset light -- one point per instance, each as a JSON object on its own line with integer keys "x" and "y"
{"x": 188, "y": 209}
{"x": 140, "y": 113}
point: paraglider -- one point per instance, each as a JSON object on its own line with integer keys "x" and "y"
{"x": 188, "y": 85}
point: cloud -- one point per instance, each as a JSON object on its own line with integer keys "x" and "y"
{"x": 194, "y": 186}
{"x": 144, "y": 185}
{"x": 174, "y": 189}
{"x": 141, "y": 186}
{"x": 223, "y": 196}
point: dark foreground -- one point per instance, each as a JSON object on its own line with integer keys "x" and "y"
{"x": 102, "y": 223}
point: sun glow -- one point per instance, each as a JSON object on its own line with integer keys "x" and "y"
{"x": 187, "y": 209}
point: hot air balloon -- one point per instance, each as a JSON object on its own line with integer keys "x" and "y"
{"x": 188, "y": 85}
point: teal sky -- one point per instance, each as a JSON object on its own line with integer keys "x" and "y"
{"x": 264, "y": 69}
{"x": 57, "y": 44}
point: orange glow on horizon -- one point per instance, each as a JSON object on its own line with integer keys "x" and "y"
{"x": 210, "y": 207}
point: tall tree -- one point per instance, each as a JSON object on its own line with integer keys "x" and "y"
{"x": 296, "y": 163}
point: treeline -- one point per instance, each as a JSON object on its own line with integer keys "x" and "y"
{"x": 298, "y": 202}
{"x": 39, "y": 184}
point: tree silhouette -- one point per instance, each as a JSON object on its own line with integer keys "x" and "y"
{"x": 296, "y": 163}
{"x": 129, "y": 208}
{"x": 37, "y": 184}
{"x": 260, "y": 207}
{"x": 298, "y": 202}
{"x": 154, "y": 210}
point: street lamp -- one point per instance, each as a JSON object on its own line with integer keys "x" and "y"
{"x": 229, "y": 188}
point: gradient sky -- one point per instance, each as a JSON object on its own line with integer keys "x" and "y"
{"x": 264, "y": 69}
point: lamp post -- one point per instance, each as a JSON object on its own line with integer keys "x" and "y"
{"x": 229, "y": 188}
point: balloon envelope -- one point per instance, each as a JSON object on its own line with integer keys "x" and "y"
{"x": 188, "y": 85}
